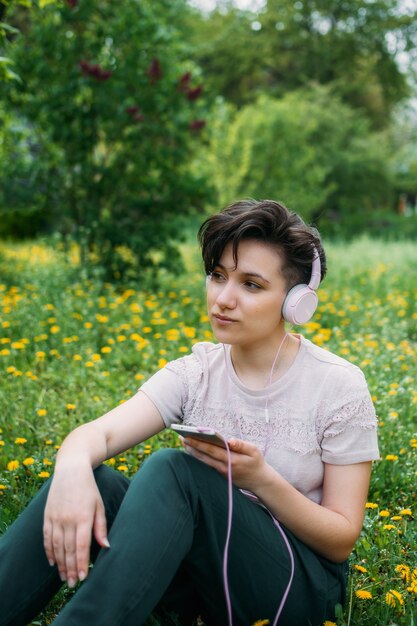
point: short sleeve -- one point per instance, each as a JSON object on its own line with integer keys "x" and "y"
{"x": 349, "y": 425}
{"x": 167, "y": 390}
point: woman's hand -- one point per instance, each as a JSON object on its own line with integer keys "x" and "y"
{"x": 74, "y": 508}
{"x": 248, "y": 465}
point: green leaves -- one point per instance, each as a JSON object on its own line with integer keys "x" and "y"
{"x": 114, "y": 126}
{"x": 308, "y": 148}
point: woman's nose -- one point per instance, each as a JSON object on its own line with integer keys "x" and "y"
{"x": 226, "y": 296}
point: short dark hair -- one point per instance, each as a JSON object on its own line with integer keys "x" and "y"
{"x": 267, "y": 221}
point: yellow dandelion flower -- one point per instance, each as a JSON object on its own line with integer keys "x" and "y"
{"x": 102, "y": 319}
{"x": 389, "y": 527}
{"x": 111, "y": 461}
{"x": 403, "y": 571}
{"x": 13, "y": 465}
{"x": 18, "y": 345}
{"x": 88, "y": 325}
{"x": 393, "y": 597}
{"x": 413, "y": 587}
{"x": 371, "y": 505}
{"x": 1, "y": 442}
{"x": 384, "y": 513}
{"x": 95, "y": 357}
{"x": 162, "y": 363}
{"x": 47, "y": 462}
{"x": 41, "y": 412}
{"x": 105, "y": 349}
{"x": 327, "y": 623}
{"x": 261, "y": 622}
{"x": 89, "y": 364}
{"x": 70, "y": 407}
{"x": 48, "y": 442}
{"x": 139, "y": 377}
{"x": 29, "y": 461}
{"x": 20, "y": 440}
{"x": 122, "y": 468}
{"x": 405, "y": 512}
{"x": 360, "y": 568}
{"x": 77, "y": 357}
{"x": 363, "y": 595}
{"x": 44, "y": 474}
{"x": 391, "y": 457}
{"x": 3, "y": 488}
{"x": 55, "y": 329}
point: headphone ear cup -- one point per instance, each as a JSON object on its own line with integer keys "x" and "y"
{"x": 299, "y": 305}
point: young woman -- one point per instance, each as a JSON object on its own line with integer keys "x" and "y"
{"x": 301, "y": 433}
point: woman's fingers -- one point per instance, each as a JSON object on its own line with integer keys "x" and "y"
{"x": 100, "y": 526}
{"x": 57, "y": 538}
{"x": 73, "y": 510}
{"x": 47, "y": 542}
{"x": 83, "y": 544}
{"x": 70, "y": 556}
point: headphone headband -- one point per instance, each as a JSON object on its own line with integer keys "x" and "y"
{"x": 315, "y": 271}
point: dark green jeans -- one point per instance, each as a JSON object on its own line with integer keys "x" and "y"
{"x": 167, "y": 533}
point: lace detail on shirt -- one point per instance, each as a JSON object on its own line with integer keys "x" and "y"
{"x": 355, "y": 411}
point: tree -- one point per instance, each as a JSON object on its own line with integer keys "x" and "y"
{"x": 114, "y": 105}
{"x": 352, "y": 46}
{"x": 308, "y": 149}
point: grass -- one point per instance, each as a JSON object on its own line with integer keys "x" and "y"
{"x": 71, "y": 348}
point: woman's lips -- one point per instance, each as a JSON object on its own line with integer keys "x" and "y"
{"x": 223, "y": 319}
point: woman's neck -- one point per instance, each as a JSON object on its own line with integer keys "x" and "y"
{"x": 253, "y": 365}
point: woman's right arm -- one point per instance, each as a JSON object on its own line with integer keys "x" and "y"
{"x": 74, "y": 507}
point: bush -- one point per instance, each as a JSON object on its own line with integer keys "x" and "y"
{"x": 308, "y": 149}
{"x": 110, "y": 99}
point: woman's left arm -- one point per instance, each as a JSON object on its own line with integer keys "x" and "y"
{"x": 330, "y": 528}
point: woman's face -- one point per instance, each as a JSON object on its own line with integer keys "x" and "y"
{"x": 244, "y": 302}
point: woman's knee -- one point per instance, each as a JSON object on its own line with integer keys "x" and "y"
{"x": 107, "y": 478}
{"x": 165, "y": 465}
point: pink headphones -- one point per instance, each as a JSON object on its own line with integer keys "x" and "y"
{"x": 301, "y": 301}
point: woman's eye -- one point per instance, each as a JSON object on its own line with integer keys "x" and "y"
{"x": 252, "y": 286}
{"x": 217, "y": 276}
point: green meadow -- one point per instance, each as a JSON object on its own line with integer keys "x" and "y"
{"x": 72, "y": 347}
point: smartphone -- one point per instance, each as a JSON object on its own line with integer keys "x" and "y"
{"x": 199, "y": 432}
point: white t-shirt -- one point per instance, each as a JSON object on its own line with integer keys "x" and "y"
{"x": 319, "y": 411}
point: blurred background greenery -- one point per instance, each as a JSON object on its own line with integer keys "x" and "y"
{"x": 122, "y": 124}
